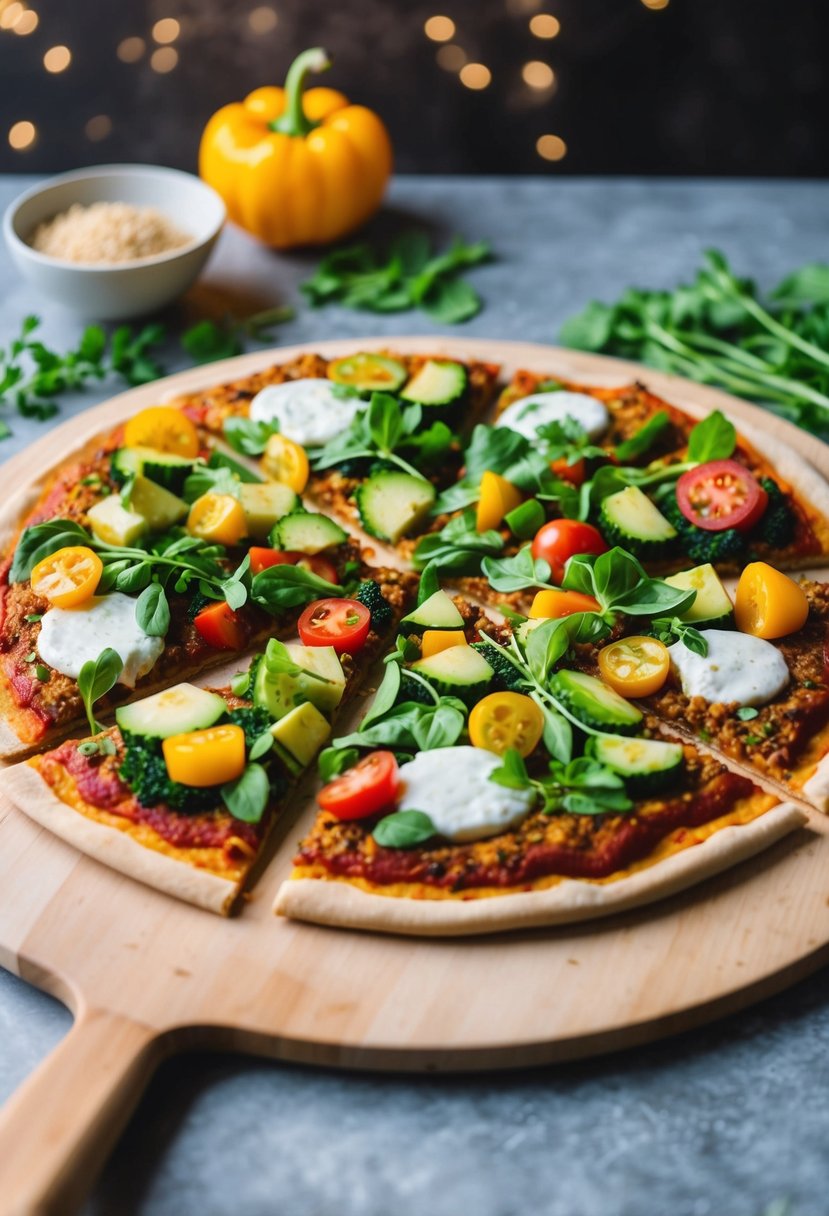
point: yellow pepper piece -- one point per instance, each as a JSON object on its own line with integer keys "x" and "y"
{"x": 287, "y": 462}
{"x": 205, "y": 757}
{"x": 436, "y": 640}
{"x": 297, "y": 168}
{"x": 163, "y": 428}
{"x": 769, "y": 604}
{"x": 498, "y": 498}
{"x": 218, "y": 517}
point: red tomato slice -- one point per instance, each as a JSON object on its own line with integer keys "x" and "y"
{"x": 721, "y": 494}
{"x": 343, "y": 624}
{"x": 221, "y": 627}
{"x": 562, "y": 539}
{"x": 369, "y": 787}
{"x": 262, "y": 559}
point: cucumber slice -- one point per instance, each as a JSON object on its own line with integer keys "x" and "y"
{"x": 368, "y": 373}
{"x": 300, "y": 735}
{"x": 115, "y": 524}
{"x": 280, "y": 693}
{"x": 459, "y": 671}
{"x": 177, "y": 710}
{"x": 712, "y": 606}
{"x": 630, "y": 519}
{"x": 159, "y": 507}
{"x": 647, "y": 765}
{"x": 264, "y": 504}
{"x": 594, "y": 704}
{"x": 307, "y": 532}
{"x": 437, "y": 382}
{"x": 391, "y": 503}
{"x": 220, "y": 460}
{"x": 437, "y": 612}
{"x": 164, "y": 468}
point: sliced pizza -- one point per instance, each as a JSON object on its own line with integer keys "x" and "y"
{"x": 495, "y": 785}
{"x": 182, "y": 792}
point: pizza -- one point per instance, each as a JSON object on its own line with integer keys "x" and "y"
{"x": 183, "y": 790}
{"x": 496, "y": 785}
{"x": 620, "y": 728}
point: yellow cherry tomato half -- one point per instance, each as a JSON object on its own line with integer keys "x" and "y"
{"x": 769, "y": 604}
{"x": 436, "y": 640}
{"x": 163, "y": 428}
{"x": 506, "y": 719}
{"x": 205, "y": 757}
{"x": 635, "y": 667}
{"x": 68, "y": 577}
{"x": 217, "y": 517}
{"x": 498, "y": 498}
{"x": 287, "y": 462}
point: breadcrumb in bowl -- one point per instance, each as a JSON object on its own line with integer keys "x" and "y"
{"x": 107, "y": 233}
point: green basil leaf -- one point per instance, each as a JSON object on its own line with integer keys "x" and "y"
{"x": 429, "y": 583}
{"x": 152, "y": 611}
{"x": 247, "y": 797}
{"x": 404, "y": 830}
{"x": 512, "y": 772}
{"x": 386, "y": 694}
{"x": 281, "y": 587}
{"x": 131, "y": 578}
{"x": 95, "y": 679}
{"x": 440, "y": 726}
{"x": 516, "y": 573}
{"x": 643, "y": 440}
{"x": 42, "y": 540}
{"x": 385, "y": 424}
{"x": 712, "y": 439}
{"x": 336, "y": 760}
{"x": 261, "y": 746}
{"x": 247, "y": 437}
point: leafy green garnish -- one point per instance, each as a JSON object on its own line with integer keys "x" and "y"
{"x": 581, "y": 787}
{"x": 518, "y": 572}
{"x": 404, "y": 830}
{"x": 408, "y": 276}
{"x": 280, "y": 587}
{"x": 621, "y": 585}
{"x": 247, "y": 797}
{"x": 746, "y": 712}
{"x": 248, "y": 437}
{"x": 381, "y": 431}
{"x": 95, "y": 679}
{"x": 152, "y": 611}
{"x": 209, "y": 340}
{"x": 458, "y": 548}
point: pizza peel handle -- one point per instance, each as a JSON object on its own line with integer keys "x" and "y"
{"x": 58, "y": 1128}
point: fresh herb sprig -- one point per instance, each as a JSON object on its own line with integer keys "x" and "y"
{"x": 207, "y": 340}
{"x": 581, "y": 787}
{"x": 458, "y": 548}
{"x": 407, "y": 276}
{"x": 771, "y": 349}
{"x": 381, "y": 430}
{"x": 95, "y": 679}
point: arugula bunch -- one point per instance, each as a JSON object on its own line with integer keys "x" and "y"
{"x": 719, "y": 329}
{"x": 409, "y": 275}
{"x": 32, "y": 375}
{"x": 381, "y": 430}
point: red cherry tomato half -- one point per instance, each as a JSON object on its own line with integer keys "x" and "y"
{"x": 721, "y": 494}
{"x": 369, "y": 787}
{"x": 562, "y": 539}
{"x": 262, "y": 559}
{"x": 221, "y": 627}
{"x": 343, "y": 624}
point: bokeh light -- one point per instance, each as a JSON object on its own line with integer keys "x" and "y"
{"x": 544, "y": 25}
{"x": 538, "y": 75}
{"x": 262, "y": 19}
{"x": 166, "y": 30}
{"x": 475, "y": 75}
{"x": 164, "y": 59}
{"x": 551, "y": 147}
{"x": 22, "y": 135}
{"x": 57, "y": 59}
{"x": 439, "y": 29}
{"x": 130, "y": 50}
{"x": 98, "y": 128}
{"x": 451, "y": 57}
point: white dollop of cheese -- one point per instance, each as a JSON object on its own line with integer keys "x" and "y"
{"x": 451, "y": 785}
{"x": 738, "y": 667}
{"x": 70, "y": 636}
{"x": 528, "y": 414}
{"x": 307, "y": 411}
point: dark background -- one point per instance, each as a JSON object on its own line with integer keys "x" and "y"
{"x": 733, "y": 87}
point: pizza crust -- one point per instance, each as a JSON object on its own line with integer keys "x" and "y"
{"x": 35, "y": 797}
{"x": 335, "y": 902}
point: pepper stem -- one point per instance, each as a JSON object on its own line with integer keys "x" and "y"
{"x": 295, "y": 121}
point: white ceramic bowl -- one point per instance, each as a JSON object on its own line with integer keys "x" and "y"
{"x": 131, "y": 289}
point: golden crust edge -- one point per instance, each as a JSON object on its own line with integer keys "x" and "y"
{"x": 32, "y": 795}
{"x": 337, "y": 904}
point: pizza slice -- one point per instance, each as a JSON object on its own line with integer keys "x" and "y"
{"x": 494, "y": 785}
{"x": 182, "y": 792}
{"x": 380, "y": 431}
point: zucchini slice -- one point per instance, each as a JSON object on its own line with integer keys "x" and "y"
{"x": 629, "y": 518}
{"x": 164, "y": 468}
{"x": 712, "y": 607}
{"x": 647, "y": 765}
{"x": 368, "y": 373}
{"x": 437, "y": 612}
{"x": 459, "y": 671}
{"x": 391, "y": 503}
{"x": 307, "y": 532}
{"x": 594, "y": 704}
{"x": 437, "y": 382}
{"x": 175, "y": 711}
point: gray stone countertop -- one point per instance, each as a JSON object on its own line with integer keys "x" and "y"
{"x": 731, "y": 1120}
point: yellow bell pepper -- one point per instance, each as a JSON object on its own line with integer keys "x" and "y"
{"x": 498, "y": 497}
{"x": 294, "y": 167}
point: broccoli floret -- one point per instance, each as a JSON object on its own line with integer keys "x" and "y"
{"x": 369, "y": 594}
{"x": 253, "y": 721}
{"x": 196, "y": 604}
{"x": 414, "y": 690}
{"x": 507, "y": 676}
{"x": 728, "y": 546}
{"x": 777, "y": 527}
{"x": 145, "y": 772}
